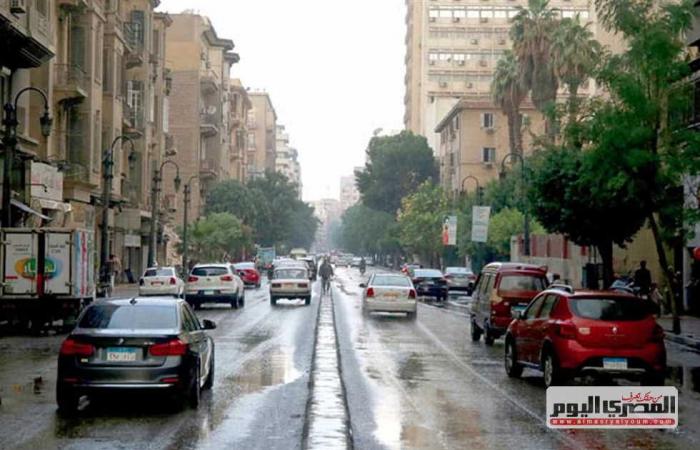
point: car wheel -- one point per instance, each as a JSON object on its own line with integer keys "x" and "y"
{"x": 209, "y": 382}
{"x": 411, "y": 315}
{"x": 476, "y": 332}
{"x": 513, "y": 368}
{"x": 654, "y": 379}
{"x": 195, "y": 391}
{"x": 273, "y": 301}
{"x": 257, "y": 286}
{"x": 241, "y": 301}
{"x": 488, "y": 335}
{"x": 67, "y": 399}
{"x": 307, "y": 300}
{"x": 553, "y": 375}
{"x": 234, "y": 302}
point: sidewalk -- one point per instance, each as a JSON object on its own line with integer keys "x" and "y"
{"x": 690, "y": 330}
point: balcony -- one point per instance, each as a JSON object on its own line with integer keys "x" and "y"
{"x": 70, "y": 83}
{"x": 28, "y": 33}
{"x": 132, "y": 118}
{"x": 207, "y": 169}
{"x": 133, "y": 36}
{"x": 208, "y": 124}
{"x": 209, "y": 81}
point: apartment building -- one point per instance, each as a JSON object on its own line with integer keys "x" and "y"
{"x": 240, "y": 105}
{"x": 262, "y": 135}
{"x": 328, "y": 212}
{"x": 200, "y": 62}
{"x": 349, "y": 194}
{"x": 286, "y": 159}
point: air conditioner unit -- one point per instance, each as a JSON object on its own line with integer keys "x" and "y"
{"x": 490, "y": 130}
{"x": 18, "y": 6}
{"x": 487, "y": 163}
{"x": 475, "y": 41}
{"x": 484, "y": 20}
{"x": 460, "y": 62}
{"x": 443, "y": 84}
{"x": 455, "y": 19}
{"x": 483, "y": 63}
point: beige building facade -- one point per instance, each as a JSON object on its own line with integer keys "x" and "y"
{"x": 239, "y": 107}
{"x": 286, "y": 158}
{"x": 262, "y": 135}
{"x": 349, "y": 194}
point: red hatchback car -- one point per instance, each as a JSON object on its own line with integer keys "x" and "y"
{"x": 566, "y": 334}
{"x": 248, "y": 273}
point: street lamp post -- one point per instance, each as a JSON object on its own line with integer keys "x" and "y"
{"x": 107, "y": 175}
{"x": 478, "y": 186}
{"x": 526, "y": 213}
{"x": 187, "y": 190}
{"x": 9, "y": 141}
{"x": 155, "y": 188}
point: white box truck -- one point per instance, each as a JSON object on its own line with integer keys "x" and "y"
{"x": 46, "y": 275}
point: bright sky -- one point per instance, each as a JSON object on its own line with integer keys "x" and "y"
{"x": 334, "y": 70}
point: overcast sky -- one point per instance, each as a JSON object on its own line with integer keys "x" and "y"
{"x": 334, "y": 70}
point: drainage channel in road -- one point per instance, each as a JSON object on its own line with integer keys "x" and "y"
{"x": 328, "y": 424}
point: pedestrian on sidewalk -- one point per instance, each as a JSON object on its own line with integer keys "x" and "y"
{"x": 657, "y": 298}
{"x": 116, "y": 268}
{"x": 642, "y": 279}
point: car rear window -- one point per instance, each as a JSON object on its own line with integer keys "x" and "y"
{"x": 158, "y": 273}
{"x": 428, "y": 273}
{"x": 209, "y": 271}
{"x": 246, "y": 265}
{"x": 290, "y": 273}
{"x": 132, "y": 317}
{"x": 610, "y": 308}
{"x": 389, "y": 280}
{"x": 522, "y": 282}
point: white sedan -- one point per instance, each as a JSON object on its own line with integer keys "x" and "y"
{"x": 214, "y": 283}
{"x": 290, "y": 282}
{"x": 161, "y": 281}
{"x": 386, "y": 292}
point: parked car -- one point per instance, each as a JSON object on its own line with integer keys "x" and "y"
{"x": 248, "y": 273}
{"x": 214, "y": 283}
{"x": 565, "y": 333}
{"x": 290, "y": 282}
{"x": 385, "y": 292}
{"x": 345, "y": 260}
{"x": 161, "y": 281}
{"x": 430, "y": 283}
{"x": 460, "y": 279}
{"x": 355, "y": 262}
{"x": 311, "y": 265}
{"x": 500, "y": 288}
{"x": 139, "y": 344}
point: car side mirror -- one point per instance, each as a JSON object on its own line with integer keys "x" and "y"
{"x": 516, "y": 314}
{"x": 363, "y": 285}
{"x": 208, "y": 324}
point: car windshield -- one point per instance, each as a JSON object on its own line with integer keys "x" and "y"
{"x": 245, "y": 265}
{"x": 165, "y": 272}
{"x": 522, "y": 282}
{"x": 427, "y": 273}
{"x": 209, "y": 271}
{"x": 610, "y": 308}
{"x": 391, "y": 280}
{"x": 290, "y": 274}
{"x": 132, "y": 317}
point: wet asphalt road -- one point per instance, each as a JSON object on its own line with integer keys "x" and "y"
{"x": 421, "y": 385}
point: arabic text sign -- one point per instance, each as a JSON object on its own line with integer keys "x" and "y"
{"x": 612, "y": 407}
{"x": 480, "y": 223}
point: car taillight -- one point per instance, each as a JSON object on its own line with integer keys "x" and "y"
{"x": 173, "y": 280}
{"x": 566, "y": 330}
{"x": 174, "y": 347}
{"x": 226, "y": 278}
{"x": 71, "y": 347}
{"x": 276, "y": 285}
{"x": 370, "y": 292}
{"x": 192, "y": 279}
{"x": 412, "y": 293}
{"x": 657, "y": 335}
{"x": 302, "y": 285}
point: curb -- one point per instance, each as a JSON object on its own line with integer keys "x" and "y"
{"x": 687, "y": 341}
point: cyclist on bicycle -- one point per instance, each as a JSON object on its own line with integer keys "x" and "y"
{"x": 326, "y": 272}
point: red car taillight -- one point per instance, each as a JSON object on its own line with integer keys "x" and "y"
{"x": 71, "y": 347}
{"x": 192, "y": 279}
{"x": 657, "y": 335}
{"x": 226, "y": 278}
{"x": 174, "y": 347}
{"x": 370, "y": 292}
{"x": 173, "y": 281}
{"x": 412, "y": 293}
{"x": 566, "y": 330}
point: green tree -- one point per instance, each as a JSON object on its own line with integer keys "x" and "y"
{"x": 421, "y": 221}
{"x": 508, "y": 94}
{"x": 532, "y": 31}
{"x": 233, "y": 197}
{"x": 218, "y": 237}
{"x": 396, "y": 166}
{"x": 505, "y": 224}
{"x": 365, "y": 230}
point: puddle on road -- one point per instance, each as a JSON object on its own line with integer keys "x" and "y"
{"x": 274, "y": 366}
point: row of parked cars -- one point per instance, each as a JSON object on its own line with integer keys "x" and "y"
{"x": 566, "y": 333}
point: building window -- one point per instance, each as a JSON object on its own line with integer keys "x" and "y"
{"x": 77, "y": 47}
{"x": 487, "y": 120}
{"x": 155, "y": 47}
{"x": 42, "y": 7}
{"x": 251, "y": 140}
{"x": 488, "y": 154}
{"x": 98, "y": 52}
{"x": 97, "y": 142}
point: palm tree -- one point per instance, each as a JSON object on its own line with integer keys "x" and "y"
{"x": 574, "y": 54}
{"x": 508, "y": 93}
{"x": 531, "y": 31}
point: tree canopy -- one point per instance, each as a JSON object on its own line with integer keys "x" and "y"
{"x": 218, "y": 237}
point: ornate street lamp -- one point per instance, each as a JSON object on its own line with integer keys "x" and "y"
{"x": 187, "y": 190}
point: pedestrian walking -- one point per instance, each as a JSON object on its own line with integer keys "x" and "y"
{"x": 642, "y": 279}
{"x": 115, "y": 268}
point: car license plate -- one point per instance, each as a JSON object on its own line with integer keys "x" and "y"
{"x": 121, "y": 354}
{"x": 615, "y": 363}
{"x": 209, "y": 292}
{"x": 156, "y": 283}
{"x": 288, "y": 286}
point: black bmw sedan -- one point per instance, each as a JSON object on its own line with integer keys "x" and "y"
{"x": 151, "y": 344}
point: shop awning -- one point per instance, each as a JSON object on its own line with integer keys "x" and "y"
{"x": 24, "y": 208}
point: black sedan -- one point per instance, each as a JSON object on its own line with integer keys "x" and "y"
{"x": 139, "y": 344}
{"x": 430, "y": 283}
